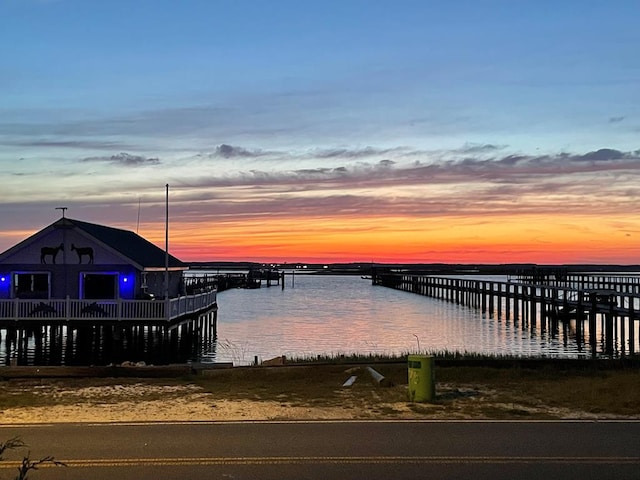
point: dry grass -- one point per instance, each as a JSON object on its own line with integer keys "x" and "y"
{"x": 462, "y": 392}
{"x": 486, "y": 392}
{"x": 592, "y": 392}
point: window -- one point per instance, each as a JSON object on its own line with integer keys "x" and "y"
{"x": 31, "y": 285}
{"x": 99, "y": 286}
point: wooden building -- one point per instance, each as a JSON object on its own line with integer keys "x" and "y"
{"x": 79, "y": 274}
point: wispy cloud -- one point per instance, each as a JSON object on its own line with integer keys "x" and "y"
{"x": 354, "y": 153}
{"x": 387, "y": 172}
{"x": 124, "y": 159}
{"x": 601, "y": 182}
{"x": 70, "y": 144}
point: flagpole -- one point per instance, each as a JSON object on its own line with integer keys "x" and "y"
{"x": 166, "y": 246}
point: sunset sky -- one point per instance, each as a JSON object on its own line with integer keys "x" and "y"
{"x": 353, "y": 130}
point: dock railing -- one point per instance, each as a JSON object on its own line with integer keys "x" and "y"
{"x": 607, "y": 308}
{"x": 108, "y": 309}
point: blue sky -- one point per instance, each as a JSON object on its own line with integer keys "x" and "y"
{"x": 103, "y": 102}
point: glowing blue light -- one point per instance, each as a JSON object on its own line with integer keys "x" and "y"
{"x": 126, "y": 285}
{"x": 5, "y": 286}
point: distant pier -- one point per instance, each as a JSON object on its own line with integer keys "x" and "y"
{"x": 604, "y": 310}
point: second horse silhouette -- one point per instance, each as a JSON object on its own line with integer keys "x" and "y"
{"x": 82, "y": 252}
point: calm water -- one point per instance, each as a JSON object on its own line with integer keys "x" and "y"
{"x": 346, "y": 314}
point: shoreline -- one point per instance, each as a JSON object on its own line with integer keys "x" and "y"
{"x": 128, "y": 369}
{"x": 312, "y": 392}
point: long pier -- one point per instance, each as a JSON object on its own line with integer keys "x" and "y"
{"x": 603, "y": 309}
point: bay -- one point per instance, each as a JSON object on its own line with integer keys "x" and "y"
{"x": 343, "y": 315}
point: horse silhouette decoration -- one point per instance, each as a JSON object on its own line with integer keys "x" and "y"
{"x": 83, "y": 252}
{"x": 50, "y": 252}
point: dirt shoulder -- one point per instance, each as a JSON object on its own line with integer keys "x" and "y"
{"x": 317, "y": 393}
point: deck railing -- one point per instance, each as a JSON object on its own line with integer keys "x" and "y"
{"x": 120, "y": 310}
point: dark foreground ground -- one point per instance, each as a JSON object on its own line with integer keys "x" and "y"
{"x": 478, "y": 389}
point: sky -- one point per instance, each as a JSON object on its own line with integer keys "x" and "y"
{"x": 333, "y": 131}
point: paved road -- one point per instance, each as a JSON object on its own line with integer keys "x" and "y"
{"x": 341, "y": 450}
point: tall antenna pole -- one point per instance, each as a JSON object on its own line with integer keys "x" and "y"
{"x": 166, "y": 247}
{"x": 138, "y": 224}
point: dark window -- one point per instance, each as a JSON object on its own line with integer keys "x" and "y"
{"x": 99, "y": 286}
{"x": 31, "y": 285}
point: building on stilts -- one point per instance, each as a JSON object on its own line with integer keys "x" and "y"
{"x": 80, "y": 293}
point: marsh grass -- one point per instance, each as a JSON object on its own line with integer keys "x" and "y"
{"x": 391, "y": 358}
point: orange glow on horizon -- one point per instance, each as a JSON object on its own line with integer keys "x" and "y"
{"x": 503, "y": 239}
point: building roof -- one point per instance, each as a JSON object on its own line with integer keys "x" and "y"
{"x": 127, "y": 243}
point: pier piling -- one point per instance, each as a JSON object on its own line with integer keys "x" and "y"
{"x": 604, "y": 308}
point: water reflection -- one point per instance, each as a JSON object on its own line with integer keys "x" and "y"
{"x": 346, "y": 314}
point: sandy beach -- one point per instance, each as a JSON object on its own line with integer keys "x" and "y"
{"x": 149, "y": 402}
{"x": 131, "y": 403}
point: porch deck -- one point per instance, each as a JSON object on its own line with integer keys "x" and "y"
{"x": 91, "y": 311}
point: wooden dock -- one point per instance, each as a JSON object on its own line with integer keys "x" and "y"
{"x": 603, "y": 309}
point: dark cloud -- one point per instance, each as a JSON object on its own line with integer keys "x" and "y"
{"x": 602, "y": 155}
{"x": 514, "y": 170}
{"x": 124, "y": 159}
{"x": 228, "y": 151}
{"x": 512, "y": 159}
{"x": 616, "y": 119}
{"x": 315, "y": 171}
{"x": 471, "y": 148}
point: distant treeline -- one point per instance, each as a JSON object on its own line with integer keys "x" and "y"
{"x": 362, "y": 268}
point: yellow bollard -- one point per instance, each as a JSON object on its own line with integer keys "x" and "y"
{"x": 422, "y": 378}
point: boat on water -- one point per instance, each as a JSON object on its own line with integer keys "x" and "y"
{"x": 264, "y": 274}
